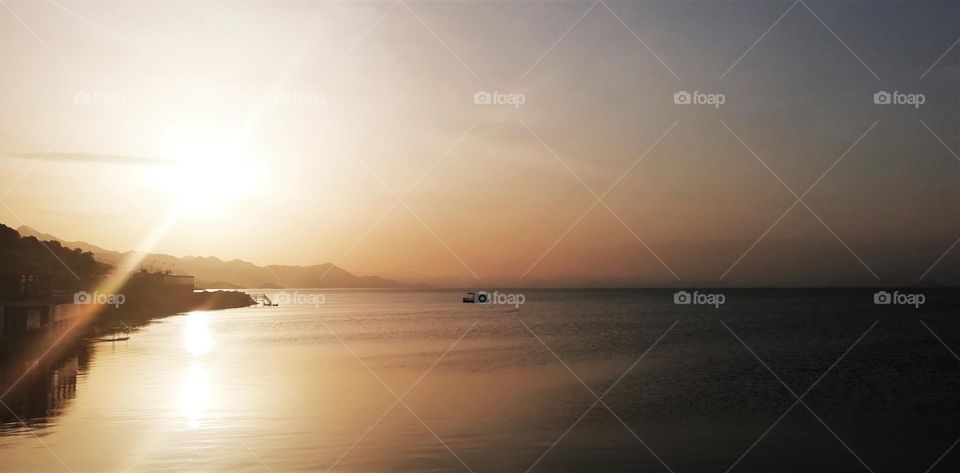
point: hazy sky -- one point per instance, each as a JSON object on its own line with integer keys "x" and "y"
{"x": 283, "y": 132}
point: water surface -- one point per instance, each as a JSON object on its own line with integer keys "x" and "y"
{"x": 503, "y": 388}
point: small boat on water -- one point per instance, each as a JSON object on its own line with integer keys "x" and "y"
{"x": 113, "y": 339}
{"x": 117, "y": 334}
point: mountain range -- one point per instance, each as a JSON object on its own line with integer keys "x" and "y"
{"x": 212, "y": 272}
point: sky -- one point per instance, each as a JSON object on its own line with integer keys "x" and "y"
{"x": 359, "y": 133}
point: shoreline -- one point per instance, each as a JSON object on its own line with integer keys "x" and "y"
{"x": 144, "y": 310}
{"x": 28, "y": 356}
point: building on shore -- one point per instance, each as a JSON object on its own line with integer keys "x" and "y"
{"x": 29, "y": 305}
{"x": 18, "y": 318}
{"x": 179, "y": 282}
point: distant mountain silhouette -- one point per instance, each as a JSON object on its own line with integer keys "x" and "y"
{"x": 212, "y": 272}
{"x": 102, "y": 254}
{"x": 777, "y": 262}
{"x": 218, "y": 285}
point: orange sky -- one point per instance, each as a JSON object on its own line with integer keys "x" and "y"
{"x": 286, "y": 133}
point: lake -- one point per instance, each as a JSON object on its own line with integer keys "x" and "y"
{"x": 313, "y": 385}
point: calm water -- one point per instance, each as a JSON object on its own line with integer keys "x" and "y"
{"x": 312, "y": 388}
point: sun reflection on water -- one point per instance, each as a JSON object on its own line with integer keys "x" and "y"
{"x": 195, "y": 394}
{"x": 197, "y": 338}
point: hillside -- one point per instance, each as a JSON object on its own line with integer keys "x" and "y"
{"x": 210, "y": 271}
{"x": 56, "y": 264}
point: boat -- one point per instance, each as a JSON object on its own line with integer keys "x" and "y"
{"x": 114, "y": 339}
{"x": 117, "y": 334}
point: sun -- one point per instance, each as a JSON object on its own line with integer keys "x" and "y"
{"x": 210, "y": 180}
{"x": 211, "y": 172}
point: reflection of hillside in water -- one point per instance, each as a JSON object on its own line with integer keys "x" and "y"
{"x": 44, "y": 392}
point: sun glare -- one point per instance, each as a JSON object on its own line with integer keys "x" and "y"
{"x": 212, "y": 172}
{"x": 197, "y": 338}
